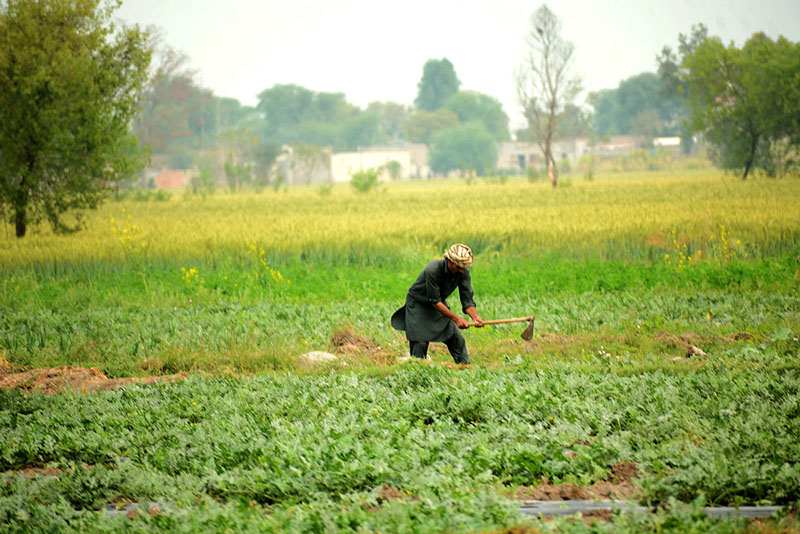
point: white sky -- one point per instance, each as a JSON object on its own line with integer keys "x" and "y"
{"x": 375, "y": 50}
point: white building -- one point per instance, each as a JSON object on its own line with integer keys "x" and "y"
{"x": 411, "y": 162}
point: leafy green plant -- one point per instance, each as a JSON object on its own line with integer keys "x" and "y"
{"x": 365, "y": 180}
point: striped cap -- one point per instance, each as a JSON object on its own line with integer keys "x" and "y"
{"x": 460, "y": 254}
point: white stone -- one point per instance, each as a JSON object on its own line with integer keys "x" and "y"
{"x": 318, "y": 356}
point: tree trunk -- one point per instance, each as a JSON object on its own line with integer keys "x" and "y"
{"x": 19, "y": 219}
{"x": 552, "y": 174}
{"x": 751, "y": 157}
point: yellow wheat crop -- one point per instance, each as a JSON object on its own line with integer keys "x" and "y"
{"x": 621, "y": 217}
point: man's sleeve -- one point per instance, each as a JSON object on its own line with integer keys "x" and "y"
{"x": 465, "y": 291}
{"x": 432, "y": 287}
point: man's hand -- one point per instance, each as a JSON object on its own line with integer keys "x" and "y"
{"x": 472, "y": 312}
{"x": 444, "y": 310}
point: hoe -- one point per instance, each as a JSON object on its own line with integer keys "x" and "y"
{"x": 527, "y": 334}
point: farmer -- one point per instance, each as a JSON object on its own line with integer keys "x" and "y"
{"x": 426, "y": 316}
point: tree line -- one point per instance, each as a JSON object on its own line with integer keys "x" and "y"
{"x": 85, "y": 102}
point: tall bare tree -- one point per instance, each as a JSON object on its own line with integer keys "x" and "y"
{"x": 545, "y": 83}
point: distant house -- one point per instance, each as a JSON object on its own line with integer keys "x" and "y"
{"x": 667, "y": 142}
{"x": 409, "y": 161}
{"x": 302, "y": 164}
{"x": 171, "y": 179}
{"x": 522, "y": 155}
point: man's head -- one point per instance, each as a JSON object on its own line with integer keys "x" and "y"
{"x": 459, "y": 257}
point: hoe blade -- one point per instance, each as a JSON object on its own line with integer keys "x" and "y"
{"x": 527, "y": 334}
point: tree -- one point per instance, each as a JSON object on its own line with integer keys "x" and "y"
{"x": 645, "y": 127}
{"x": 573, "y": 121}
{"x": 604, "y": 103}
{"x": 287, "y": 107}
{"x": 178, "y": 117}
{"x": 391, "y": 116}
{"x": 438, "y": 83}
{"x": 420, "y": 126}
{"x": 745, "y": 101}
{"x": 174, "y": 115}
{"x": 238, "y": 174}
{"x": 544, "y": 82}
{"x": 616, "y": 109}
{"x": 69, "y": 88}
{"x": 472, "y": 105}
{"x": 468, "y": 147}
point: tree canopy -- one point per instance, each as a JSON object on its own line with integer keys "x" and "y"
{"x": 70, "y": 82}
{"x": 420, "y": 126}
{"x": 621, "y": 111}
{"x": 746, "y": 101}
{"x": 438, "y": 83}
{"x": 295, "y": 114}
{"x": 465, "y": 147}
{"x": 472, "y": 105}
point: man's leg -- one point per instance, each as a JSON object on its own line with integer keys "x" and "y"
{"x": 458, "y": 348}
{"x": 418, "y": 349}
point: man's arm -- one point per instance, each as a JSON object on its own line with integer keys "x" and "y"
{"x": 444, "y": 310}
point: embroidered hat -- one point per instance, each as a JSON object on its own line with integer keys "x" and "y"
{"x": 460, "y": 254}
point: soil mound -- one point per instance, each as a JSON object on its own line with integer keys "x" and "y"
{"x": 551, "y": 492}
{"x": 347, "y": 342}
{"x": 620, "y": 486}
{"x": 81, "y": 379}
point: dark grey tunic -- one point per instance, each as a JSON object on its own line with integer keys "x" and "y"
{"x": 435, "y": 283}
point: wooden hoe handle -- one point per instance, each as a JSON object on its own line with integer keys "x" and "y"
{"x": 514, "y": 320}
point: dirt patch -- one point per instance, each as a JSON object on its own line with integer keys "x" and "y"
{"x": 620, "y": 486}
{"x": 682, "y": 341}
{"x": 80, "y": 379}
{"x": 516, "y": 529}
{"x": 741, "y": 336}
{"x": 388, "y": 493}
{"x": 345, "y": 341}
{"x": 551, "y": 492}
{"x": 546, "y": 339}
{"x": 596, "y": 516}
{"x": 31, "y": 472}
{"x": 624, "y": 472}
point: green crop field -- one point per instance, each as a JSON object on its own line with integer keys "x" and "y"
{"x": 626, "y": 275}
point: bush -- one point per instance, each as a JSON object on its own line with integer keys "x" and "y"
{"x": 365, "y": 180}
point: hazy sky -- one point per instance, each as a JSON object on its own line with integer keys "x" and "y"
{"x": 374, "y": 50}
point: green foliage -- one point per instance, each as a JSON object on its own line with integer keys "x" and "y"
{"x": 238, "y": 174}
{"x": 421, "y": 126}
{"x": 320, "y": 448}
{"x": 295, "y": 114}
{"x": 204, "y": 182}
{"x": 395, "y": 168}
{"x": 146, "y": 195}
{"x": 173, "y": 121}
{"x": 616, "y": 110}
{"x": 364, "y": 181}
{"x": 69, "y": 86}
{"x": 391, "y": 117}
{"x": 745, "y": 101}
{"x": 464, "y": 147}
{"x": 438, "y": 83}
{"x": 470, "y": 105}
{"x": 367, "y": 444}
